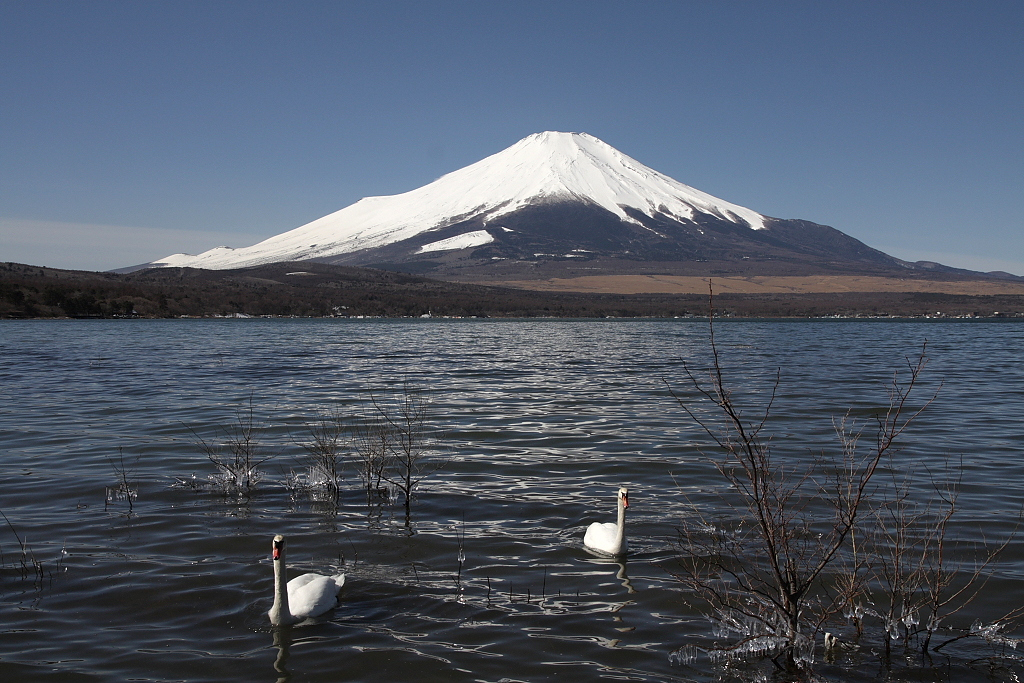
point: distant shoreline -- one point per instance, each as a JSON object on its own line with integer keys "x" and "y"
{"x": 728, "y": 284}
{"x": 325, "y": 291}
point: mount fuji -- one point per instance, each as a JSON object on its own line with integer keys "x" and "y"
{"x": 555, "y": 203}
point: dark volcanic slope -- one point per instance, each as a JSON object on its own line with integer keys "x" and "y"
{"x": 563, "y": 239}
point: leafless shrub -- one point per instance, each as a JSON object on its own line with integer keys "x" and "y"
{"x": 766, "y": 574}
{"x": 373, "y": 451}
{"x": 400, "y": 446}
{"x": 237, "y": 455}
{"x": 27, "y": 565}
{"x": 126, "y": 488}
{"x": 324, "y": 449}
{"x": 922, "y": 573}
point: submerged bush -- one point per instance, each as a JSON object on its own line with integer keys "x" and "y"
{"x": 796, "y": 549}
{"x": 237, "y": 454}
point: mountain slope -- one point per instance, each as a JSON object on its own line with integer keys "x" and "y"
{"x": 550, "y": 197}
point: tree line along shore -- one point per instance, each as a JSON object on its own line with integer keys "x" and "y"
{"x": 318, "y": 290}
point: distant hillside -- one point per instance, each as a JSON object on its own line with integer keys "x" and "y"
{"x": 292, "y": 289}
{"x": 316, "y": 289}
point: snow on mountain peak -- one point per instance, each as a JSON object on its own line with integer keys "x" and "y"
{"x": 542, "y": 167}
{"x": 580, "y": 165}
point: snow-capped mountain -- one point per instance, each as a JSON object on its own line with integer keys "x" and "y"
{"x": 550, "y": 196}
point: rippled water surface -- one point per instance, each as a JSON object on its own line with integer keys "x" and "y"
{"x": 542, "y": 421}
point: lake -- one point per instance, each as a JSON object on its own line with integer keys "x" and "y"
{"x": 538, "y": 423}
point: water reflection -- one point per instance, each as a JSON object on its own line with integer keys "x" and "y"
{"x": 620, "y": 573}
{"x": 283, "y": 643}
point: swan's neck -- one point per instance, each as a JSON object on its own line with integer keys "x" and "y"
{"x": 280, "y": 613}
{"x": 622, "y": 522}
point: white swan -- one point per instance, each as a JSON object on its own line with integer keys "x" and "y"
{"x": 610, "y": 537}
{"x": 305, "y": 596}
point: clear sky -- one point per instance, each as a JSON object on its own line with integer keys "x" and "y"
{"x": 133, "y": 129}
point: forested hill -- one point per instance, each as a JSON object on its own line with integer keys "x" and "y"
{"x": 308, "y": 289}
{"x": 295, "y": 289}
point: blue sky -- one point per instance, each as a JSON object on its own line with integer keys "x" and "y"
{"x": 131, "y": 130}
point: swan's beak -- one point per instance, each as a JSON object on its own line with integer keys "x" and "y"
{"x": 625, "y": 501}
{"x": 277, "y": 550}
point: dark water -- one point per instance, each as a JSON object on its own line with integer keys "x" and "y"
{"x": 543, "y": 420}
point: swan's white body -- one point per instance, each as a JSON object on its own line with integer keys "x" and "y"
{"x": 304, "y": 596}
{"x": 610, "y": 537}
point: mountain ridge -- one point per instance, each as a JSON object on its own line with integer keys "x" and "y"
{"x": 545, "y": 205}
